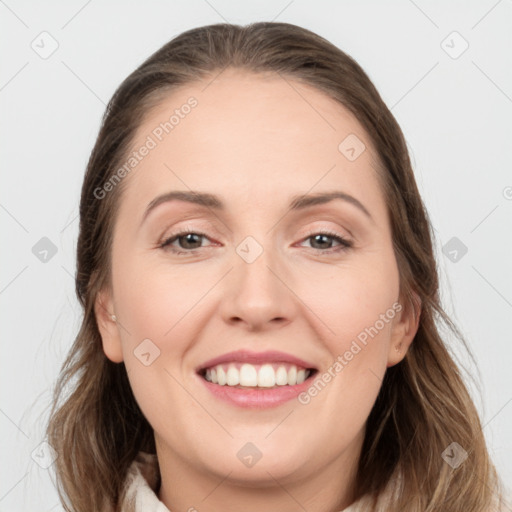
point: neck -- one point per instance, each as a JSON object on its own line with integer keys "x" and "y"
{"x": 186, "y": 487}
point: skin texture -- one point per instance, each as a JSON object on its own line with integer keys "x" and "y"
{"x": 255, "y": 141}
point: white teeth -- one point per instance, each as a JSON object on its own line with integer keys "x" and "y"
{"x": 292, "y": 376}
{"x": 221, "y": 376}
{"x": 263, "y": 376}
{"x": 248, "y": 375}
{"x": 281, "y": 376}
{"x": 266, "y": 376}
{"x": 233, "y": 376}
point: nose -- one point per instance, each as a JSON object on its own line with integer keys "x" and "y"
{"x": 259, "y": 294}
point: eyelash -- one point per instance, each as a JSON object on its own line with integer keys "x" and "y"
{"x": 344, "y": 243}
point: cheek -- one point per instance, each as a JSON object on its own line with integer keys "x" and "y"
{"x": 356, "y": 301}
{"x": 155, "y": 308}
{"x": 154, "y": 298}
{"x": 359, "y": 304}
{"x": 158, "y": 300}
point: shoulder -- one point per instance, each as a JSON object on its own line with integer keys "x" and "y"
{"x": 139, "y": 493}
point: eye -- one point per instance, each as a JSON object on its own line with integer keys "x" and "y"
{"x": 187, "y": 240}
{"x": 321, "y": 240}
{"x": 190, "y": 241}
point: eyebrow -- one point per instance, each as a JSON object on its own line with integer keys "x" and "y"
{"x": 214, "y": 202}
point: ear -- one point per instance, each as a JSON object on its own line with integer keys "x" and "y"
{"x": 109, "y": 330}
{"x": 405, "y": 326}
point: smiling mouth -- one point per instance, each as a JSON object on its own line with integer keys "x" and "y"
{"x": 255, "y": 376}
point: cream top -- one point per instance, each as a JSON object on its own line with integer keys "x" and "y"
{"x": 140, "y": 488}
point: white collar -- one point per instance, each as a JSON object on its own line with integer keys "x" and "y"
{"x": 143, "y": 480}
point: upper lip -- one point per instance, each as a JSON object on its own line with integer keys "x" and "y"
{"x": 269, "y": 356}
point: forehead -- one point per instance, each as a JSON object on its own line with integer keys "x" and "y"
{"x": 252, "y": 138}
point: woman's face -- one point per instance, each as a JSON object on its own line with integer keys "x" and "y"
{"x": 255, "y": 275}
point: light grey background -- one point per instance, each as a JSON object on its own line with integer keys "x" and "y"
{"x": 455, "y": 111}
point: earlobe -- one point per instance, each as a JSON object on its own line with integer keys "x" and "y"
{"x": 107, "y": 325}
{"x": 405, "y": 327}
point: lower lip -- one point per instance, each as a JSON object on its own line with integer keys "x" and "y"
{"x": 260, "y": 398}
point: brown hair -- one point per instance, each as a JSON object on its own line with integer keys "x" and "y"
{"x": 96, "y": 426}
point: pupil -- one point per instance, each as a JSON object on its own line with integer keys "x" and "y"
{"x": 320, "y": 237}
{"x": 189, "y": 240}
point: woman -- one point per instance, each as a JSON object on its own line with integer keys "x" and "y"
{"x": 260, "y": 297}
